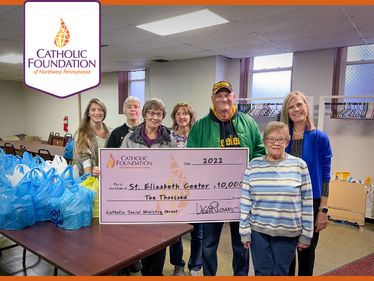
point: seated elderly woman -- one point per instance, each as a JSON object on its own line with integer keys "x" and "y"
{"x": 276, "y": 207}
{"x": 152, "y": 134}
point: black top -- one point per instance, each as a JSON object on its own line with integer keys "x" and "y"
{"x": 117, "y": 136}
{"x": 297, "y": 148}
{"x": 228, "y": 135}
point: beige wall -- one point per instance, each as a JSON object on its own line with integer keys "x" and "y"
{"x": 45, "y": 113}
{"x": 12, "y": 108}
{"x": 186, "y": 80}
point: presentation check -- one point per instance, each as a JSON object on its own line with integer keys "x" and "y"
{"x": 171, "y": 185}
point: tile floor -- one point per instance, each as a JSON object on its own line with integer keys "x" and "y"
{"x": 339, "y": 244}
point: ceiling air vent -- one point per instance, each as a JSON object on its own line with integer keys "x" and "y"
{"x": 160, "y": 60}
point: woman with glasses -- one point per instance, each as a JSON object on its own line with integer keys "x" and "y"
{"x": 313, "y": 146}
{"x": 276, "y": 207}
{"x": 151, "y": 134}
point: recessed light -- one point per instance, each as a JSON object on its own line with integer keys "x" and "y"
{"x": 182, "y": 23}
{"x": 12, "y": 58}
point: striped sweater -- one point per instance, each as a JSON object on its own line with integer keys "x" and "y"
{"x": 277, "y": 199}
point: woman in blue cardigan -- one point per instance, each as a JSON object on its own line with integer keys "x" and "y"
{"x": 313, "y": 146}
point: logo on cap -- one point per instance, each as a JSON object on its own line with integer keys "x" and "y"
{"x": 221, "y": 85}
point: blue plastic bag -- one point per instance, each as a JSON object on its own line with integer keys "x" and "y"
{"x": 16, "y": 212}
{"x": 8, "y": 163}
{"x": 69, "y": 149}
{"x": 52, "y": 187}
{"x": 31, "y": 182}
{"x": 73, "y": 210}
{"x": 33, "y": 162}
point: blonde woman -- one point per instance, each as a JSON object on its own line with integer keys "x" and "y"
{"x": 92, "y": 134}
{"x": 313, "y": 146}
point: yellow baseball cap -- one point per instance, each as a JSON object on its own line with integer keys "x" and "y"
{"x": 221, "y": 85}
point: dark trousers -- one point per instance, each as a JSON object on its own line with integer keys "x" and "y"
{"x": 176, "y": 254}
{"x": 195, "y": 261}
{"x": 211, "y": 236}
{"x": 307, "y": 256}
{"x": 153, "y": 265}
{"x": 272, "y": 256}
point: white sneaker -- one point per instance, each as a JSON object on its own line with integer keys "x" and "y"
{"x": 178, "y": 270}
{"x": 195, "y": 272}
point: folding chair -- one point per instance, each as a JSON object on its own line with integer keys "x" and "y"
{"x": 67, "y": 138}
{"x": 44, "y": 153}
{"x": 51, "y": 134}
{"x": 57, "y": 140}
{"x": 9, "y": 148}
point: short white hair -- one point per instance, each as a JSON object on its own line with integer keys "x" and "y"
{"x": 130, "y": 99}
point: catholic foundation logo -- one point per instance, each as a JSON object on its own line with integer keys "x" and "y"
{"x": 129, "y": 162}
{"x": 63, "y": 36}
{"x": 111, "y": 162}
{"x": 68, "y": 62}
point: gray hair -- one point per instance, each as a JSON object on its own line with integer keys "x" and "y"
{"x": 130, "y": 99}
{"x": 274, "y": 126}
{"x": 155, "y": 104}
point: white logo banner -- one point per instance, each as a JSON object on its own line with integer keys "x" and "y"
{"x": 62, "y": 46}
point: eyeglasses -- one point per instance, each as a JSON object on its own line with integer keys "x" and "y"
{"x": 279, "y": 140}
{"x": 159, "y": 114}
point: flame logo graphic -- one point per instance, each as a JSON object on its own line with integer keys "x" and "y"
{"x": 111, "y": 162}
{"x": 63, "y": 36}
{"x": 175, "y": 176}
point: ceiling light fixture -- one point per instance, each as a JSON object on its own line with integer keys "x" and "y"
{"x": 12, "y": 58}
{"x": 182, "y": 23}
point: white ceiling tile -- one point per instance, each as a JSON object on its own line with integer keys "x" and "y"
{"x": 366, "y": 21}
{"x": 359, "y": 10}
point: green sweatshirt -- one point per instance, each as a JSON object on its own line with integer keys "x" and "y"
{"x": 207, "y": 133}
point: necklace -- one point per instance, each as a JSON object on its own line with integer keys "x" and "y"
{"x": 298, "y": 133}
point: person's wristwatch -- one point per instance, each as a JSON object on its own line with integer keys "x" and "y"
{"x": 323, "y": 209}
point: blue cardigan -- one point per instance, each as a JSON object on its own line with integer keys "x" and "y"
{"x": 317, "y": 154}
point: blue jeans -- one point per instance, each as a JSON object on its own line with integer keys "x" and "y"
{"x": 195, "y": 261}
{"x": 272, "y": 256}
{"x": 211, "y": 236}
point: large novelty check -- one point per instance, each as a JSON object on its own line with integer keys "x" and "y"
{"x": 171, "y": 185}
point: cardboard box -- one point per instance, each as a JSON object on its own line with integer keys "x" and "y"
{"x": 347, "y": 201}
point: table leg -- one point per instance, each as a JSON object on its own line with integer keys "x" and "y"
{"x": 24, "y": 258}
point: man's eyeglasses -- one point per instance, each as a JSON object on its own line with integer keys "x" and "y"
{"x": 159, "y": 114}
{"x": 279, "y": 140}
